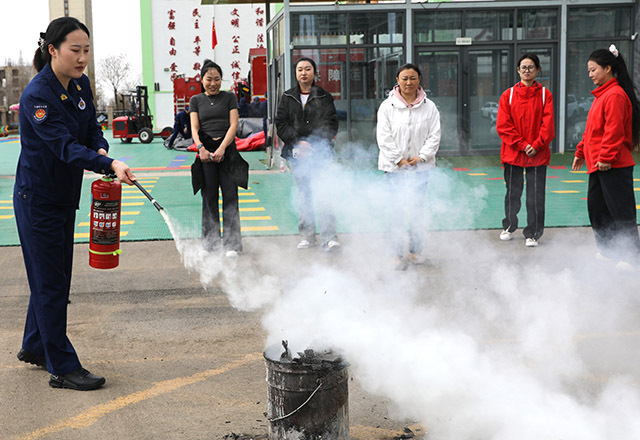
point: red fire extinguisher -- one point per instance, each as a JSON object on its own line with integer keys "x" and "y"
{"x": 104, "y": 245}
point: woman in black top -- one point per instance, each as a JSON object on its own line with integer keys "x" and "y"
{"x": 214, "y": 122}
{"x": 307, "y": 122}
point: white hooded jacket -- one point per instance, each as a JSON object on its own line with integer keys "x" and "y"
{"x": 404, "y": 132}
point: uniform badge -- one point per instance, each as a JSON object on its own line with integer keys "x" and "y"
{"x": 64, "y": 97}
{"x": 40, "y": 113}
{"x": 82, "y": 105}
{"x": 78, "y": 87}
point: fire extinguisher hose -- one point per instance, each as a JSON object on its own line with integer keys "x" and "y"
{"x": 146, "y": 193}
{"x": 114, "y": 253}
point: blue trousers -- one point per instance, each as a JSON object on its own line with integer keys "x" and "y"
{"x": 46, "y": 237}
{"x": 308, "y": 173}
{"x": 407, "y": 199}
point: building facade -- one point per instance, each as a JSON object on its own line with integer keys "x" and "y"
{"x": 13, "y": 79}
{"x": 467, "y": 52}
{"x": 177, "y": 36}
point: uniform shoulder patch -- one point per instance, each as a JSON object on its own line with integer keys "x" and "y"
{"x": 63, "y": 97}
{"x": 40, "y": 113}
{"x": 78, "y": 87}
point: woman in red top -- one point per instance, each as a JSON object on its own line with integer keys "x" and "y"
{"x": 611, "y": 133}
{"x": 526, "y": 126}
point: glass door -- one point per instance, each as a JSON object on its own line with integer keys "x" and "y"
{"x": 441, "y": 81}
{"x": 487, "y": 76}
{"x": 547, "y": 77}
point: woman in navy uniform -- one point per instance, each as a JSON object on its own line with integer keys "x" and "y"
{"x": 60, "y": 138}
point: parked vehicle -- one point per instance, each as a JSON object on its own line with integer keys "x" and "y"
{"x": 488, "y": 109}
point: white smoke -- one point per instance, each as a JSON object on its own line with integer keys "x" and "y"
{"x": 490, "y": 341}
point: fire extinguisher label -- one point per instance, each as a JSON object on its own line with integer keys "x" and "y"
{"x": 105, "y": 233}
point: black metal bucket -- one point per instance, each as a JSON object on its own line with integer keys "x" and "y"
{"x": 308, "y": 396}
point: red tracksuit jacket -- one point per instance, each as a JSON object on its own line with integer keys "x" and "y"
{"x": 607, "y": 136}
{"x": 525, "y": 121}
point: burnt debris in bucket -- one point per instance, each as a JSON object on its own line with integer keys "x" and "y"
{"x": 308, "y": 395}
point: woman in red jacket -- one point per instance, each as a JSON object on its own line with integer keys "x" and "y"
{"x": 611, "y": 133}
{"x": 526, "y": 126}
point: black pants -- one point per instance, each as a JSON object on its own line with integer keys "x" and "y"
{"x": 216, "y": 177}
{"x": 612, "y": 212}
{"x": 536, "y": 182}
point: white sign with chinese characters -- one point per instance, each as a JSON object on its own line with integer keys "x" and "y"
{"x": 183, "y": 34}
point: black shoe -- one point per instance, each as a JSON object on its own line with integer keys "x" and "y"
{"x": 80, "y": 380}
{"x": 30, "y": 358}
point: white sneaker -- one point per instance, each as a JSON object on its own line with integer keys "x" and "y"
{"x": 304, "y": 244}
{"x": 331, "y": 246}
{"x": 231, "y": 254}
{"x": 505, "y": 235}
{"x": 531, "y": 242}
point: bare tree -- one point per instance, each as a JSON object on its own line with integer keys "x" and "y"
{"x": 113, "y": 73}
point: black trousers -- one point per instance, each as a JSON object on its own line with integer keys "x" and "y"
{"x": 215, "y": 177}
{"x": 536, "y": 183}
{"x": 612, "y": 211}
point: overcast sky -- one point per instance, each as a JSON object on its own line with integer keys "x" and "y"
{"x": 116, "y": 29}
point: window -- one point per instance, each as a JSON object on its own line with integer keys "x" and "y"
{"x": 314, "y": 29}
{"x": 489, "y": 25}
{"x": 432, "y": 27}
{"x": 599, "y": 22}
{"x": 376, "y": 28}
{"x": 537, "y": 24}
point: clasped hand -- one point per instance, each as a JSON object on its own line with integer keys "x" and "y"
{"x": 216, "y": 156}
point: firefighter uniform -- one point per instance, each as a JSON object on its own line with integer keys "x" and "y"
{"x": 59, "y": 137}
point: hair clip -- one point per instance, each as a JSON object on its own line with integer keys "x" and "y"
{"x": 42, "y": 41}
{"x": 613, "y": 50}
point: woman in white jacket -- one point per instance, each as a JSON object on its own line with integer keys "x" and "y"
{"x": 408, "y": 135}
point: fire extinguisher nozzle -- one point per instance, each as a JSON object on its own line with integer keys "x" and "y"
{"x": 146, "y": 193}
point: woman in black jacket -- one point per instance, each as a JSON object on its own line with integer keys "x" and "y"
{"x": 306, "y": 121}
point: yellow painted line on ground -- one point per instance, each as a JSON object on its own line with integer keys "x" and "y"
{"x": 257, "y": 208}
{"x": 246, "y": 219}
{"x": 259, "y": 228}
{"x": 636, "y": 189}
{"x": 573, "y": 181}
{"x": 578, "y": 172}
{"x": 6, "y": 201}
{"x": 5, "y": 217}
{"x": 140, "y": 181}
{"x": 6, "y": 207}
{"x": 566, "y": 192}
{"x": 477, "y": 174}
{"x": 246, "y": 194}
{"x": 97, "y": 412}
{"x": 133, "y": 204}
{"x": 133, "y": 197}
{"x": 130, "y": 213}
{"x": 249, "y": 201}
{"x": 264, "y": 217}
{"x": 133, "y": 190}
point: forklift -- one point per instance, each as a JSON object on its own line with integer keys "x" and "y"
{"x": 133, "y": 119}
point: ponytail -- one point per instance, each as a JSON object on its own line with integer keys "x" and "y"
{"x": 55, "y": 35}
{"x": 611, "y": 57}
